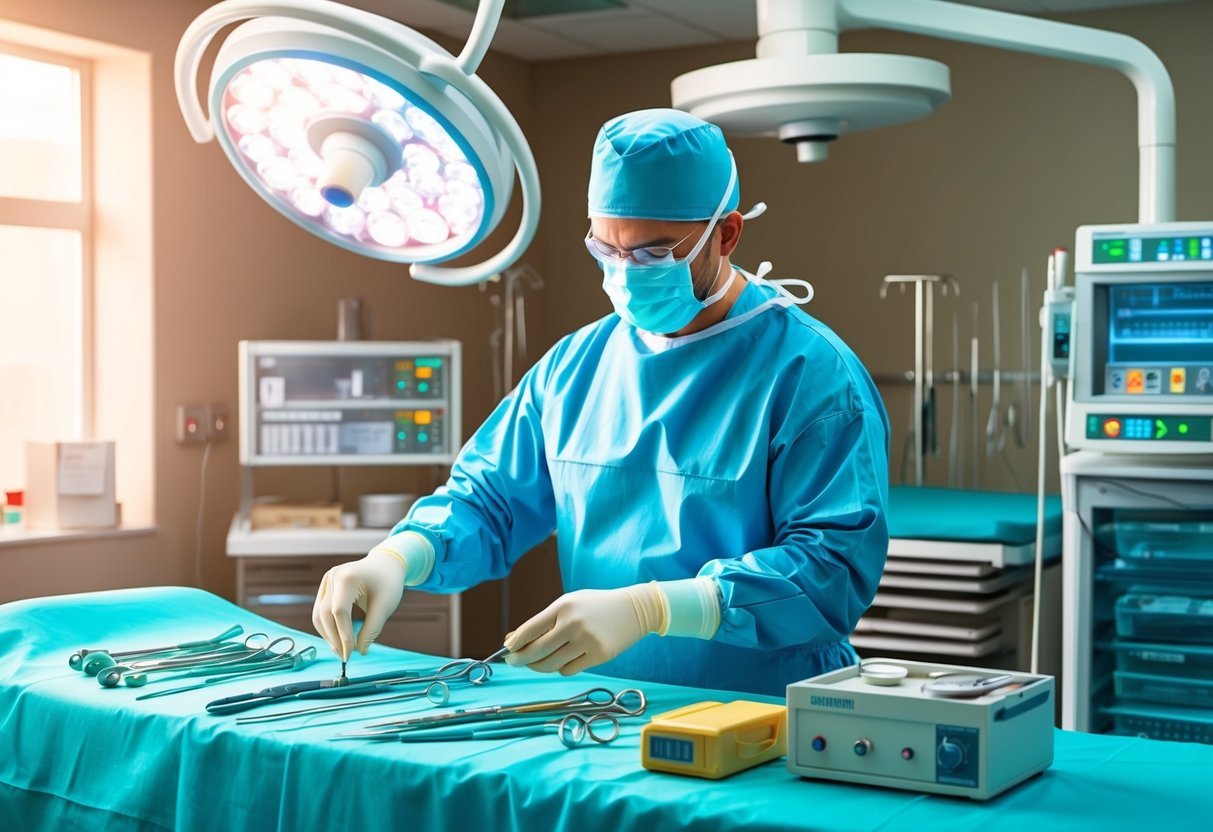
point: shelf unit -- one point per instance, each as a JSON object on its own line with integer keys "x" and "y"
{"x": 330, "y": 404}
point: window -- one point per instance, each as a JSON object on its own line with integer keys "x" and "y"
{"x": 45, "y": 253}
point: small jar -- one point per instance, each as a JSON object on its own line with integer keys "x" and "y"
{"x": 14, "y": 510}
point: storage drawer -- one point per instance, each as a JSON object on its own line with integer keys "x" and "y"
{"x": 1165, "y": 617}
{"x": 1191, "y": 661}
{"x": 1161, "y": 723}
{"x": 1165, "y": 690}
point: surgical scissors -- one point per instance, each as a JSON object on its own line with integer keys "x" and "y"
{"x": 437, "y": 692}
{"x": 467, "y": 671}
{"x": 91, "y": 661}
{"x": 252, "y": 651}
{"x": 628, "y": 702}
{"x": 572, "y": 730}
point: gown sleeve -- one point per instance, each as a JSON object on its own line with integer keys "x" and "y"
{"x": 828, "y": 491}
{"x": 498, "y": 502}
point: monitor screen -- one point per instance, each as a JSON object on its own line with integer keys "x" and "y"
{"x": 1159, "y": 339}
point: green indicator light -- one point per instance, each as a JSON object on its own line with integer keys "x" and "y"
{"x": 1160, "y": 429}
{"x": 423, "y": 437}
{"x": 402, "y": 436}
{"x": 1183, "y": 428}
{"x": 1193, "y": 248}
{"x": 423, "y": 386}
{"x": 429, "y": 362}
{"x": 400, "y": 385}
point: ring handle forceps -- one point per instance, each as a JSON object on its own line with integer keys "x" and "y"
{"x": 628, "y": 702}
{"x": 287, "y": 664}
{"x": 925, "y": 417}
{"x": 136, "y": 673}
{"x": 90, "y": 661}
{"x": 572, "y": 730}
{"x": 469, "y": 671}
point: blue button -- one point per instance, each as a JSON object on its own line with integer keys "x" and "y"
{"x": 819, "y": 743}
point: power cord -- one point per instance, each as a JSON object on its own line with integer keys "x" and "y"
{"x": 206, "y": 456}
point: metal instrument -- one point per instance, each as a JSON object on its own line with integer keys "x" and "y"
{"x": 288, "y": 663}
{"x": 466, "y": 671}
{"x": 257, "y": 650}
{"x": 438, "y": 693}
{"x": 924, "y": 416}
{"x": 572, "y": 730}
{"x": 91, "y": 661}
{"x": 628, "y": 702}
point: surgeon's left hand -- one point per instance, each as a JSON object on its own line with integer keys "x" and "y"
{"x": 586, "y": 628}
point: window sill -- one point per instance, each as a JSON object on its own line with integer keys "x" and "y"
{"x": 22, "y": 538}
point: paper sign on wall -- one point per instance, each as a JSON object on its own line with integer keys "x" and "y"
{"x": 82, "y": 468}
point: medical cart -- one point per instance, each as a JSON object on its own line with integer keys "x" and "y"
{"x": 1138, "y": 637}
{"x": 341, "y": 403}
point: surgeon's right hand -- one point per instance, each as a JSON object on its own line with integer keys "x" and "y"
{"x": 375, "y": 584}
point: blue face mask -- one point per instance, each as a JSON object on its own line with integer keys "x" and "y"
{"x": 658, "y": 297}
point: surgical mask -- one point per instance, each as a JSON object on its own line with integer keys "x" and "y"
{"x": 660, "y": 297}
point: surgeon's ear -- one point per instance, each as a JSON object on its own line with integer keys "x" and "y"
{"x": 730, "y": 232}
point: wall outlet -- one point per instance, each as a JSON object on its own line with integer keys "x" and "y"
{"x": 197, "y": 423}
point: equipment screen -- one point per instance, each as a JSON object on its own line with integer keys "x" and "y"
{"x": 1159, "y": 339}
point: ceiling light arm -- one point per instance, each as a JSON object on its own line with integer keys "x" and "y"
{"x": 483, "y": 99}
{"x": 488, "y": 14}
{"x": 1019, "y": 33}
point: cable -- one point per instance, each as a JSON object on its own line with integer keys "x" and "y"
{"x": 1046, "y": 381}
{"x": 206, "y": 455}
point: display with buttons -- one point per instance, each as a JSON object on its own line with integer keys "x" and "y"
{"x": 1150, "y": 428}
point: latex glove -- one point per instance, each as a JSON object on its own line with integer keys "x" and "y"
{"x": 375, "y": 584}
{"x": 586, "y": 628}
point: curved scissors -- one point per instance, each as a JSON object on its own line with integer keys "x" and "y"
{"x": 628, "y": 702}
{"x": 571, "y": 729}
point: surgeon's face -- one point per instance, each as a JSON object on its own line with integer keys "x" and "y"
{"x": 627, "y": 235}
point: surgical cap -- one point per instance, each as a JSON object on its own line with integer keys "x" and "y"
{"x": 660, "y": 165}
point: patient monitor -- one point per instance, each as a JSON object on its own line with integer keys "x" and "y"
{"x": 1142, "y": 341}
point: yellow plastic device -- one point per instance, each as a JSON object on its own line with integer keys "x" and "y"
{"x": 714, "y": 739}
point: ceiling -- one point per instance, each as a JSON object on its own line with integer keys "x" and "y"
{"x": 644, "y": 24}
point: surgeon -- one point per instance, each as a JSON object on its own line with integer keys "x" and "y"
{"x": 712, "y": 459}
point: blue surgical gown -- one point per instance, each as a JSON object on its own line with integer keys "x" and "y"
{"x": 754, "y": 452}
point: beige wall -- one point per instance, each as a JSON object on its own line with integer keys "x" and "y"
{"x": 1027, "y": 150}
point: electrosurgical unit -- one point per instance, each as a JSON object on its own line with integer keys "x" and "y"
{"x": 1142, "y": 339}
{"x": 939, "y": 728}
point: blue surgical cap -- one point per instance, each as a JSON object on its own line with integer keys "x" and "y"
{"x": 660, "y": 165}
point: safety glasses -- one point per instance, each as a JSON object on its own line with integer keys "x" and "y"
{"x": 648, "y": 256}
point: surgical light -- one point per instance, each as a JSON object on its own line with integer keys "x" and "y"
{"x": 363, "y": 131}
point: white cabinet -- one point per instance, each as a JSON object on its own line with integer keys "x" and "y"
{"x": 342, "y": 403}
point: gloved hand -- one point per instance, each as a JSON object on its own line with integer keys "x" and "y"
{"x": 586, "y": 628}
{"x": 375, "y": 584}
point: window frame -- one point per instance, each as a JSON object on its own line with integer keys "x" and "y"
{"x": 76, "y": 216}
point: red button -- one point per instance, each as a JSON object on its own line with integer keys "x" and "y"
{"x": 1111, "y": 428}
